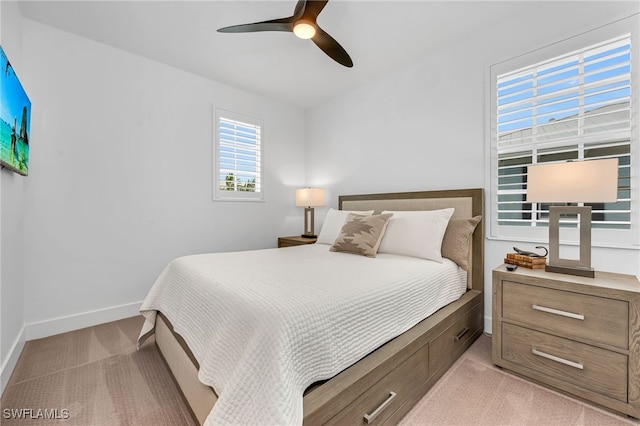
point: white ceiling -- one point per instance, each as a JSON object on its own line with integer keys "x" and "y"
{"x": 380, "y": 36}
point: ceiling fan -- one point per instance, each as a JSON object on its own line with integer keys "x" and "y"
{"x": 302, "y": 24}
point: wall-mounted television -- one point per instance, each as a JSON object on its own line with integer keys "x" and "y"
{"x": 15, "y": 118}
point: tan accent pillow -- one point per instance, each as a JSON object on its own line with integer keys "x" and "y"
{"x": 457, "y": 240}
{"x": 361, "y": 234}
{"x": 333, "y": 222}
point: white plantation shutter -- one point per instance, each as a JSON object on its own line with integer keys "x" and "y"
{"x": 238, "y": 157}
{"x": 585, "y": 94}
{"x": 577, "y": 105}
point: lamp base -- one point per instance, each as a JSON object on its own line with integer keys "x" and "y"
{"x": 308, "y": 223}
{"x": 581, "y": 272}
{"x": 582, "y": 266}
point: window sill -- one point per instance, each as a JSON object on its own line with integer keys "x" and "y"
{"x": 573, "y": 243}
{"x": 242, "y": 200}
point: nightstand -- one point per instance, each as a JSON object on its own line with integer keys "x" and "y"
{"x": 296, "y": 240}
{"x": 579, "y": 335}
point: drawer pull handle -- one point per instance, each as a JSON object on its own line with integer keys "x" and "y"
{"x": 557, "y": 312}
{"x": 558, "y": 359}
{"x": 371, "y": 417}
{"x": 461, "y": 334}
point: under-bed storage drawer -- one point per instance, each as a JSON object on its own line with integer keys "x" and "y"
{"x": 454, "y": 339}
{"x": 381, "y": 400}
{"x": 384, "y": 401}
{"x": 586, "y": 366}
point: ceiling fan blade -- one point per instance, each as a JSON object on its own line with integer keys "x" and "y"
{"x": 313, "y": 8}
{"x": 299, "y": 10}
{"x": 331, "y": 47}
{"x": 284, "y": 24}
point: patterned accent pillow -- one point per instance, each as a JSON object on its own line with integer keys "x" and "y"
{"x": 457, "y": 240}
{"x": 333, "y": 222}
{"x": 361, "y": 234}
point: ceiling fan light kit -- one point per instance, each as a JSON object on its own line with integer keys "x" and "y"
{"x": 304, "y": 30}
{"x": 303, "y": 24}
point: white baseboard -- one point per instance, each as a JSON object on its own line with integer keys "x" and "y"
{"x": 12, "y": 359}
{"x": 488, "y": 327}
{"x": 59, "y": 325}
{"x": 50, "y": 327}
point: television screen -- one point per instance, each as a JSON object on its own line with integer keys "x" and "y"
{"x": 15, "y": 117}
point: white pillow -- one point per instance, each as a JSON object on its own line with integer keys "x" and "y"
{"x": 416, "y": 233}
{"x": 333, "y": 222}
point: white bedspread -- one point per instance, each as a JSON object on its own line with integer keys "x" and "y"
{"x": 266, "y": 324}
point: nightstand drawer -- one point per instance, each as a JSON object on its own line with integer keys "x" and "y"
{"x": 600, "y": 370}
{"x": 591, "y": 318}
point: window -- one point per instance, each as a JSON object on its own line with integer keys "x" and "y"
{"x": 559, "y": 104}
{"x": 238, "y": 157}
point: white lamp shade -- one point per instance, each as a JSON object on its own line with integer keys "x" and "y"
{"x": 309, "y": 197}
{"x": 594, "y": 181}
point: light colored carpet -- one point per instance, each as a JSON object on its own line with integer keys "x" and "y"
{"x": 476, "y": 392}
{"x": 93, "y": 376}
{"x": 99, "y": 377}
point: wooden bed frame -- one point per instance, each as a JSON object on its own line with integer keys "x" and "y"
{"x": 383, "y": 386}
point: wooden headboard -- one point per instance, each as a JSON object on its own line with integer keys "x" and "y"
{"x": 466, "y": 202}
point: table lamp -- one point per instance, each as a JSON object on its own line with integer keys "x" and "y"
{"x": 593, "y": 181}
{"x": 309, "y": 198}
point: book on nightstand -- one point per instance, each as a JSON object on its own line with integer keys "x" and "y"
{"x": 525, "y": 261}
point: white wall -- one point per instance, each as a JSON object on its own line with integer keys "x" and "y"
{"x": 11, "y": 219}
{"x": 424, "y": 127}
{"x": 120, "y": 177}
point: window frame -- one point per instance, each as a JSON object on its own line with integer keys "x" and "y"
{"x": 628, "y": 238}
{"x": 218, "y": 194}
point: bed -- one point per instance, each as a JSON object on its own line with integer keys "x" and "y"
{"x": 376, "y": 381}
